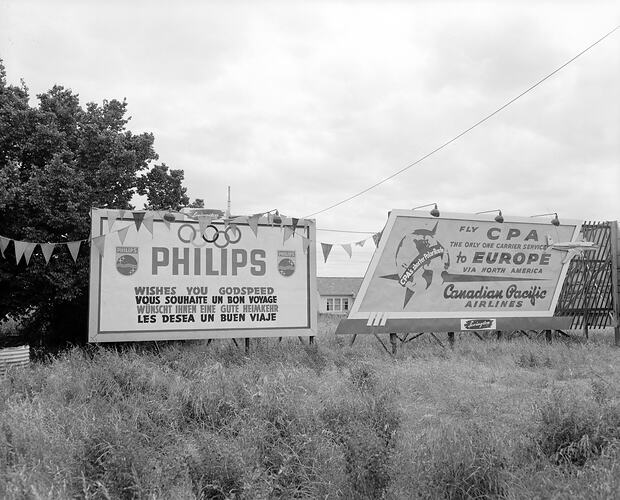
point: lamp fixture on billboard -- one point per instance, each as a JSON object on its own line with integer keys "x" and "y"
{"x": 434, "y": 212}
{"x": 499, "y": 218}
{"x": 555, "y": 221}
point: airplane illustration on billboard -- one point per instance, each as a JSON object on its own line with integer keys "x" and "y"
{"x": 571, "y": 247}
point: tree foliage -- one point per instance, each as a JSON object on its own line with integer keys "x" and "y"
{"x": 57, "y": 160}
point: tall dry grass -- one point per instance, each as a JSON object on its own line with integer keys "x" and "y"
{"x": 507, "y": 419}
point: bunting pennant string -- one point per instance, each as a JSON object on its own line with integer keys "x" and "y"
{"x": 138, "y": 217}
{"x": 122, "y": 234}
{"x": 327, "y": 248}
{"x": 99, "y": 243}
{"x": 4, "y": 242}
{"x": 47, "y": 249}
{"x": 347, "y": 248}
{"x": 203, "y": 222}
{"x": 305, "y": 243}
{"x": 28, "y": 251}
{"x": 288, "y": 232}
{"x": 20, "y": 248}
{"x": 253, "y": 223}
{"x": 112, "y": 216}
{"x": 74, "y": 248}
{"x": 288, "y": 225}
{"x": 147, "y": 222}
{"x": 377, "y": 238}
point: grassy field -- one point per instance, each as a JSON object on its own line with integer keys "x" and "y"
{"x": 495, "y": 419}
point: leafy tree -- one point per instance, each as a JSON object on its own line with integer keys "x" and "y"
{"x": 57, "y": 160}
{"x": 163, "y": 189}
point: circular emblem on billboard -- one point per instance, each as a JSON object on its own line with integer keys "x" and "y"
{"x": 286, "y": 266}
{"x": 126, "y": 265}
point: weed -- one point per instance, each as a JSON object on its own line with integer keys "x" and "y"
{"x": 573, "y": 431}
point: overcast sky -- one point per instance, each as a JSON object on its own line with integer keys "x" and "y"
{"x": 299, "y": 105}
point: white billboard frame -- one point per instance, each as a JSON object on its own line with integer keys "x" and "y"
{"x": 100, "y": 220}
{"x": 361, "y": 320}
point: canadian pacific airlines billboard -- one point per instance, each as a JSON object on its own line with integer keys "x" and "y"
{"x": 464, "y": 272}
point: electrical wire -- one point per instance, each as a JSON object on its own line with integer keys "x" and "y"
{"x": 480, "y": 122}
{"x": 345, "y": 231}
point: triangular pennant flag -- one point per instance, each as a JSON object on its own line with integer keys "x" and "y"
{"x": 121, "y": 214}
{"x": 4, "y": 242}
{"x": 47, "y": 249}
{"x": 295, "y": 221}
{"x": 253, "y": 223}
{"x": 377, "y": 238}
{"x": 20, "y": 247}
{"x": 326, "y": 247}
{"x": 28, "y": 252}
{"x": 203, "y": 222}
{"x": 148, "y": 223}
{"x": 138, "y": 217}
{"x": 168, "y": 217}
{"x": 360, "y": 243}
{"x": 288, "y": 232}
{"x": 347, "y": 248}
{"x": 307, "y": 243}
{"x": 99, "y": 243}
{"x": 112, "y": 216}
{"x": 122, "y": 234}
{"x": 74, "y": 248}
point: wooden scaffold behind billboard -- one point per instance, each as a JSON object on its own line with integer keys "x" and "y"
{"x": 590, "y": 294}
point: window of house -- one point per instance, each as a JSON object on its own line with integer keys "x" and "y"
{"x": 337, "y": 304}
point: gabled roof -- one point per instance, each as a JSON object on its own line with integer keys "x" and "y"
{"x": 338, "y": 286}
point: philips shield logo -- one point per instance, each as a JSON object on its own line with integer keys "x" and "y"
{"x": 127, "y": 260}
{"x": 286, "y": 262}
{"x": 478, "y": 324}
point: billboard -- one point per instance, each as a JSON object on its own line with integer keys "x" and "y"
{"x": 178, "y": 278}
{"x": 464, "y": 272}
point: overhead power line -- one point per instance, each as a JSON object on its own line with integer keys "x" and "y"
{"x": 479, "y": 122}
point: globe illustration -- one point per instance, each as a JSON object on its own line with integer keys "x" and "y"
{"x": 419, "y": 258}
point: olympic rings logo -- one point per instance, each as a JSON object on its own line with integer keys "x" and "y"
{"x": 211, "y": 234}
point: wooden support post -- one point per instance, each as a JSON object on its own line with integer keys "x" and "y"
{"x": 615, "y": 279}
{"x": 247, "y": 345}
{"x": 353, "y": 339}
{"x": 438, "y": 341}
{"x": 235, "y": 342}
{"x": 393, "y": 339}
{"x": 548, "y": 336}
{"x": 301, "y": 339}
{"x": 311, "y": 340}
{"x": 499, "y": 334}
{"x": 585, "y": 295}
{"x": 451, "y": 339}
{"x": 415, "y": 336}
{"x": 381, "y": 342}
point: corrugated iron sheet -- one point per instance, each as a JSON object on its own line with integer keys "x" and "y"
{"x": 14, "y": 356}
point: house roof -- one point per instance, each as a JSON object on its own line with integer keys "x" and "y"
{"x": 338, "y": 285}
